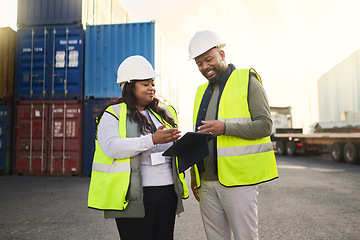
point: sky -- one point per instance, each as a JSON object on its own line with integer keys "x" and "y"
{"x": 290, "y": 43}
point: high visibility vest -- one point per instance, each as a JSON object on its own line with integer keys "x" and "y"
{"x": 110, "y": 178}
{"x": 168, "y": 126}
{"x": 240, "y": 162}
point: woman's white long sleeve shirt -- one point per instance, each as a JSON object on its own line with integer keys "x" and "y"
{"x": 119, "y": 148}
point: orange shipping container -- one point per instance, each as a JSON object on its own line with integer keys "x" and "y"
{"x": 7, "y": 63}
{"x": 48, "y": 137}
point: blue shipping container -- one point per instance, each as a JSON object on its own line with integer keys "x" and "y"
{"x": 6, "y": 123}
{"x": 49, "y": 63}
{"x": 106, "y": 47}
{"x": 48, "y": 12}
{"x": 90, "y": 106}
{"x": 67, "y": 12}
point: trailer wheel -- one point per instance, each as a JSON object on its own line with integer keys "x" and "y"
{"x": 290, "y": 148}
{"x": 350, "y": 153}
{"x": 337, "y": 152}
{"x": 280, "y": 148}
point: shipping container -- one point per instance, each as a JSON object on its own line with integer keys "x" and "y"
{"x": 48, "y": 137}
{"x": 50, "y": 63}
{"x": 3, "y": 136}
{"x": 7, "y": 62}
{"x": 339, "y": 89}
{"x": 66, "y": 12}
{"x": 108, "y": 45}
{"x": 90, "y": 107}
{"x": 6, "y": 132}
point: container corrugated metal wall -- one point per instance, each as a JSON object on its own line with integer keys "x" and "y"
{"x": 3, "y": 136}
{"x": 106, "y": 47}
{"x": 48, "y": 12}
{"x": 50, "y": 63}
{"x": 66, "y": 12}
{"x": 48, "y": 137}
{"x": 7, "y": 62}
{"x": 6, "y": 139}
{"x": 90, "y": 106}
{"x": 339, "y": 89}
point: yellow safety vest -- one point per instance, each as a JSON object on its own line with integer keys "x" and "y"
{"x": 110, "y": 178}
{"x": 240, "y": 162}
{"x": 168, "y": 126}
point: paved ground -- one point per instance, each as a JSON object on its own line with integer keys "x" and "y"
{"x": 313, "y": 199}
{"x": 34, "y": 207}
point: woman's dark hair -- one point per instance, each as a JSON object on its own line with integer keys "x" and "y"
{"x": 129, "y": 98}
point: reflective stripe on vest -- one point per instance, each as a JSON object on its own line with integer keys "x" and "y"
{"x": 245, "y": 150}
{"x": 115, "y": 167}
{"x": 240, "y": 161}
{"x": 110, "y": 178}
{"x": 234, "y": 120}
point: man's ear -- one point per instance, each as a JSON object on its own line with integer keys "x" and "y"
{"x": 222, "y": 54}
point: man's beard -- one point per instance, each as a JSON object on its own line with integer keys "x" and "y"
{"x": 214, "y": 79}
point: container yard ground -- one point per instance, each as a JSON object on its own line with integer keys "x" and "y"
{"x": 314, "y": 198}
{"x": 49, "y": 207}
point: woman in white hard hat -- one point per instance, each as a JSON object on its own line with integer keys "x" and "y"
{"x": 131, "y": 180}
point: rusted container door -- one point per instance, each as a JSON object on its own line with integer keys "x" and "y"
{"x": 65, "y": 137}
{"x": 48, "y": 137}
{"x": 30, "y": 152}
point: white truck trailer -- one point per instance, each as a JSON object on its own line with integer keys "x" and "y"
{"x": 291, "y": 141}
{"x": 343, "y": 146}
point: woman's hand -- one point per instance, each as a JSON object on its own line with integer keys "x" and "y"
{"x": 163, "y": 135}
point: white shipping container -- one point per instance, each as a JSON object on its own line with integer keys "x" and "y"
{"x": 339, "y": 89}
{"x": 104, "y": 12}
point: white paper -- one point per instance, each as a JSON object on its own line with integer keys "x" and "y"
{"x": 157, "y": 158}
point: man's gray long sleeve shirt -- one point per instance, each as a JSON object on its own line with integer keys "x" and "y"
{"x": 261, "y": 124}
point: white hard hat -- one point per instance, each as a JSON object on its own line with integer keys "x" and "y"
{"x": 202, "y": 42}
{"x": 135, "y": 68}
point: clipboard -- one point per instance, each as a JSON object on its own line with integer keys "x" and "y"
{"x": 190, "y": 149}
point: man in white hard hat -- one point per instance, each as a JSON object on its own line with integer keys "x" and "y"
{"x": 233, "y": 107}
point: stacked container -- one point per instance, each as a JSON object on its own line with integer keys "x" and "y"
{"x": 7, "y": 85}
{"x": 106, "y": 47}
{"x": 48, "y": 137}
{"x": 3, "y": 137}
{"x": 90, "y": 108}
{"x": 50, "y": 62}
{"x": 50, "y": 82}
{"x": 71, "y": 12}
